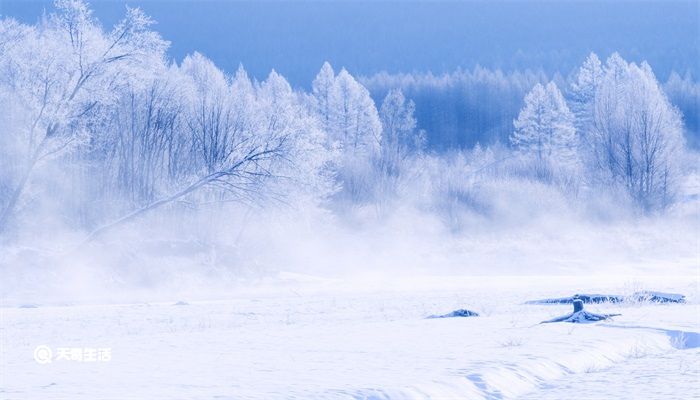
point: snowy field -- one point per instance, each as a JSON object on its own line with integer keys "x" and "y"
{"x": 182, "y": 218}
{"x": 332, "y": 339}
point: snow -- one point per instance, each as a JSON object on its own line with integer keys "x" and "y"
{"x": 656, "y": 377}
{"x": 337, "y": 339}
{"x": 169, "y": 230}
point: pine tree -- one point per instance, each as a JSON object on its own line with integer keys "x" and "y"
{"x": 544, "y": 128}
{"x": 616, "y": 68}
{"x": 347, "y": 112}
{"x": 358, "y": 122}
{"x": 349, "y": 118}
{"x": 325, "y": 93}
{"x": 564, "y": 140}
{"x": 582, "y": 93}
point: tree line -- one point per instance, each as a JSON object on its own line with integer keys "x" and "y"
{"x": 100, "y": 127}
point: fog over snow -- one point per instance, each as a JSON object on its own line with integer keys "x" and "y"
{"x": 270, "y": 199}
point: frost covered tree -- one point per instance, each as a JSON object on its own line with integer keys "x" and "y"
{"x": 347, "y": 112}
{"x": 142, "y": 147}
{"x": 358, "y": 125}
{"x": 637, "y": 134}
{"x": 464, "y": 107}
{"x": 302, "y": 173}
{"x": 684, "y": 93}
{"x": 582, "y": 94}
{"x": 325, "y": 93}
{"x": 246, "y": 142}
{"x": 399, "y": 136}
{"x": 210, "y": 113}
{"x": 358, "y": 136}
{"x": 61, "y": 72}
{"x": 401, "y": 143}
{"x": 125, "y": 132}
{"x": 351, "y": 121}
{"x": 544, "y": 128}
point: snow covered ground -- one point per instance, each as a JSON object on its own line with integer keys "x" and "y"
{"x": 315, "y": 338}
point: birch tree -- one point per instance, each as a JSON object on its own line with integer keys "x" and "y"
{"x": 637, "y": 135}
{"x": 399, "y": 136}
{"x": 59, "y": 71}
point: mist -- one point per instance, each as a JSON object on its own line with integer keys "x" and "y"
{"x": 258, "y": 198}
{"x": 177, "y": 173}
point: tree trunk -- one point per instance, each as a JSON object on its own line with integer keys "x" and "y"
{"x": 156, "y": 204}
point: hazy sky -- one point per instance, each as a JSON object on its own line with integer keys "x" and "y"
{"x": 367, "y": 37}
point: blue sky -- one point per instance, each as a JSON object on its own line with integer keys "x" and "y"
{"x": 369, "y": 37}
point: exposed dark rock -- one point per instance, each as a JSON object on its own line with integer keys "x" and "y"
{"x": 580, "y": 316}
{"x": 456, "y": 313}
{"x": 586, "y": 298}
{"x": 649, "y": 296}
{"x": 658, "y": 297}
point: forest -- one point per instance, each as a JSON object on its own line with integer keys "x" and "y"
{"x": 174, "y": 228}
{"x": 104, "y": 133}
